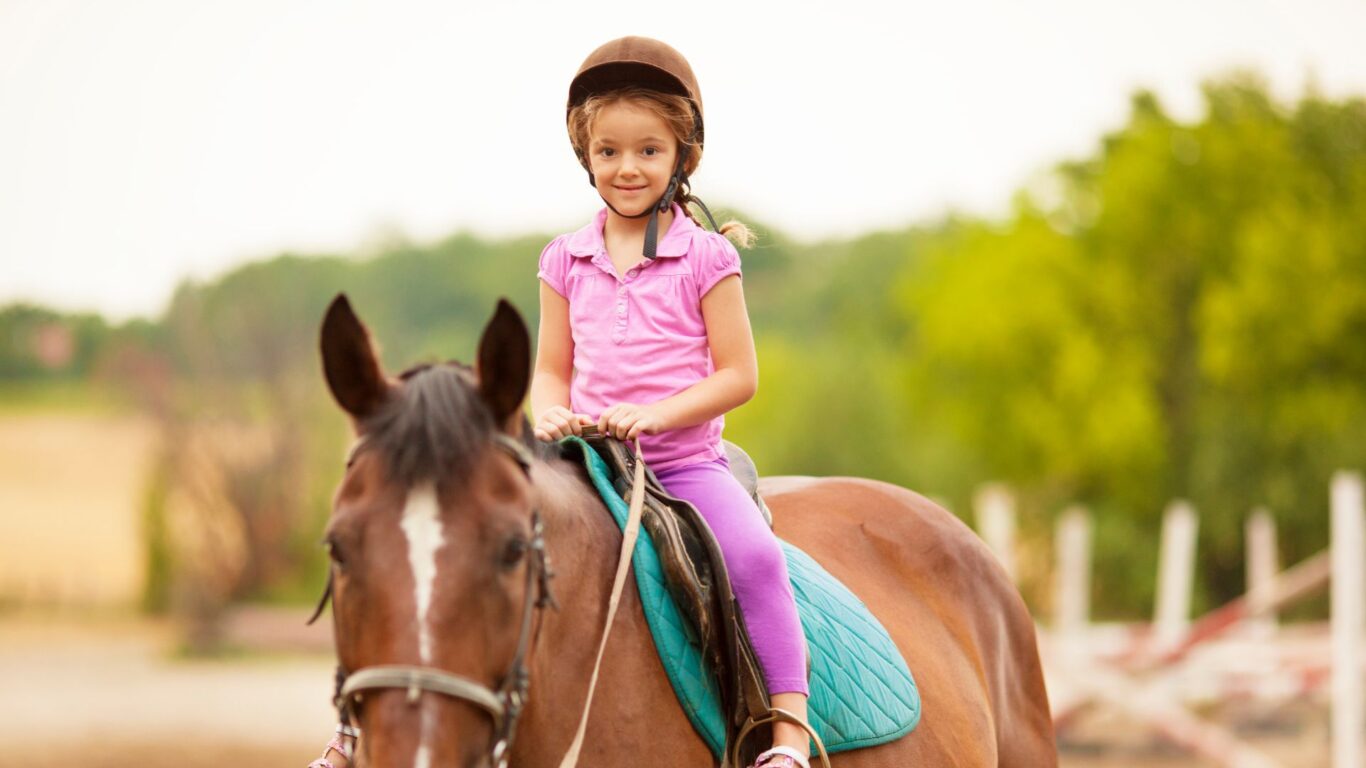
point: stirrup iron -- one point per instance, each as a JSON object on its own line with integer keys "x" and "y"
{"x": 774, "y": 715}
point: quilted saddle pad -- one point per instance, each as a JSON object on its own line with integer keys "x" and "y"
{"x": 862, "y": 692}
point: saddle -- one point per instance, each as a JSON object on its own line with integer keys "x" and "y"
{"x": 696, "y": 578}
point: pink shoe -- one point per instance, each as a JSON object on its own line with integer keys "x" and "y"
{"x": 781, "y": 757}
{"x": 339, "y": 745}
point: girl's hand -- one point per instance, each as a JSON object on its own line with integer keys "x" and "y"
{"x": 627, "y": 421}
{"x": 558, "y": 422}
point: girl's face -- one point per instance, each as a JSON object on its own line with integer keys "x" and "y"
{"x": 632, "y": 153}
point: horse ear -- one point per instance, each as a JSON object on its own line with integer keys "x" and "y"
{"x": 505, "y": 365}
{"x": 349, "y": 361}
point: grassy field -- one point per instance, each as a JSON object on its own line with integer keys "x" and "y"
{"x": 72, "y": 482}
{"x": 69, "y": 397}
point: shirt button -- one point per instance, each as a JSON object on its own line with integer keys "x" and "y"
{"x": 633, "y": 272}
{"x": 621, "y": 309}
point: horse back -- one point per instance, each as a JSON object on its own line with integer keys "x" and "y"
{"x": 947, "y": 604}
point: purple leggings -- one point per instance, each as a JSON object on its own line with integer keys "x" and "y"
{"x": 758, "y": 569}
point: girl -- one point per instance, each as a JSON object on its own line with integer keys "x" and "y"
{"x": 644, "y": 332}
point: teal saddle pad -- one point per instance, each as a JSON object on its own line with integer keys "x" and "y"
{"x": 862, "y": 693}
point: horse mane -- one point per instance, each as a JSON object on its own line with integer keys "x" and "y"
{"x": 433, "y": 427}
{"x": 436, "y": 426}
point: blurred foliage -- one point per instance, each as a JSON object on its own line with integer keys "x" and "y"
{"x": 1183, "y": 314}
{"x": 1180, "y": 315}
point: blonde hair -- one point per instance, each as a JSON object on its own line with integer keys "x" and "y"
{"x": 677, "y": 113}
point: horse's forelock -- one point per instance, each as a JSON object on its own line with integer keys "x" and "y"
{"x": 434, "y": 427}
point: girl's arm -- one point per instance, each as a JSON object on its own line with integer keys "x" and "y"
{"x": 732, "y": 384}
{"x": 553, "y": 369}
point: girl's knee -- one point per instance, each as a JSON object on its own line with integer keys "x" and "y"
{"x": 760, "y": 562}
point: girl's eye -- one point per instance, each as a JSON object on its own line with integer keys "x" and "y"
{"x": 607, "y": 152}
{"x": 651, "y": 151}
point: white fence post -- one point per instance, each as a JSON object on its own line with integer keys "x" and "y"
{"x": 1072, "y": 579}
{"x": 1176, "y": 574}
{"x": 1349, "y": 578}
{"x": 995, "y": 510}
{"x": 1262, "y": 566}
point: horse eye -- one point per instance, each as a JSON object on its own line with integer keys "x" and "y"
{"x": 334, "y": 552}
{"x": 513, "y": 552}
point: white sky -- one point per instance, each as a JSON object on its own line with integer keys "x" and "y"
{"x": 142, "y": 142}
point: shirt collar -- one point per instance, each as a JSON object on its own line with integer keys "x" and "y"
{"x": 588, "y": 241}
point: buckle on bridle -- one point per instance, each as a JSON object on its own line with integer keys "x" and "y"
{"x": 499, "y": 756}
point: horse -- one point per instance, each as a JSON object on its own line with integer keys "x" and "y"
{"x": 470, "y": 568}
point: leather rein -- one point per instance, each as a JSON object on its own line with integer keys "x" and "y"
{"x": 504, "y": 705}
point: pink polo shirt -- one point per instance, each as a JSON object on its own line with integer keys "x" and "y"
{"x": 640, "y": 337}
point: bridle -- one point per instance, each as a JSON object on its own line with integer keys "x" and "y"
{"x": 504, "y": 705}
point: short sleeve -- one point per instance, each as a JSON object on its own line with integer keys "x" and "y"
{"x": 554, "y": 265}
{"x": 716, "y": 259}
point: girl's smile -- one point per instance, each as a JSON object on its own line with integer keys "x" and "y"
{"x": 632, "y": 153}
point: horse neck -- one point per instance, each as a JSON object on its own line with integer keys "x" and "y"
{"x": 584, "y": 544}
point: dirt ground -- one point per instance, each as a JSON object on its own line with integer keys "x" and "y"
{"x": 1292, "y": 735}
{"x": 114, "y": 692}
{"x": 118, "y": 753}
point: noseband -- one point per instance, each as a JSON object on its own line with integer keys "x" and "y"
{"x": 504, "y": 705}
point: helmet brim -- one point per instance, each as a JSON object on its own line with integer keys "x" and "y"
{"x": 616, "y": 75}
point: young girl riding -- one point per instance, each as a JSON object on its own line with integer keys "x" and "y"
{"x": 644, "y": 333}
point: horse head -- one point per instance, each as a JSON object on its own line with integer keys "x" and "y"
{"x": 437, "y": 562}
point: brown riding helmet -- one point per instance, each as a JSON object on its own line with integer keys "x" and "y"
{"x": 635, "y": 61}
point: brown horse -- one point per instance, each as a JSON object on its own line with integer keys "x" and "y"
{"x": 439, "y": 592}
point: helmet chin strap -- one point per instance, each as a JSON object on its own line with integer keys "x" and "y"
{"x": 662, "y": 204}
{"x": 679, "y": 178}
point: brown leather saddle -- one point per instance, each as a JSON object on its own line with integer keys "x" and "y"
{"x": 696, "y": 578}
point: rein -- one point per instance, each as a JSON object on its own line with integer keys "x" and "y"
{"x": 505, "y": 705}
{"x": 629, "y": 535}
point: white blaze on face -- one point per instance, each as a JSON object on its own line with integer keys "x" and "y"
{"x": 423, "y": 759}
{"x": 422, "y": 525}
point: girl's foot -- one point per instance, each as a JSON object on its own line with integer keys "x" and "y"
{"x": 338, "y": 752}
{"x": 781, "y": 757}
{"x": 790, "y": 740}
